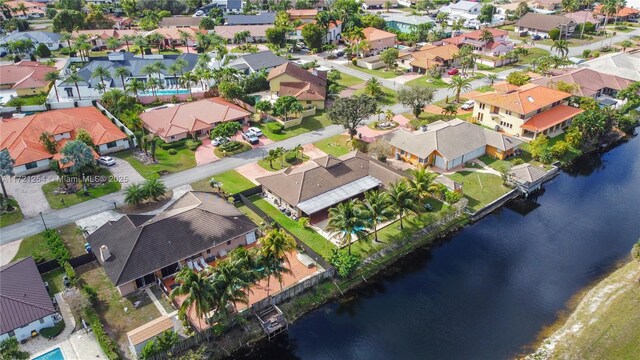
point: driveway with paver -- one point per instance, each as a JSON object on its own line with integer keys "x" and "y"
{"x": 28, "y": 192}
{"x": 204, "y": 153}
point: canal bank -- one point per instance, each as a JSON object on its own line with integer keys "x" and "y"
{"x": 494, "y": 285}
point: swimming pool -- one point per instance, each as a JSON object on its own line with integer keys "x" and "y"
{"x": 55, "y": 354}
{"x": 165, "y": 92}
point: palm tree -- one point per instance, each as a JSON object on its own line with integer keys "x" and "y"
{"x": 121, "y": 72}
{"x": 66, "y": 37}
{"x": 141, "y": 43}
{"x": 21, "y": 7}
{"x": 155, "y": 38}
{"x": 134, "y": 194}
{"x": 101, "y": 73}
{"x": 199, "y": 292}
{"x": 626, "y": 44}
{"x": 53, "y": 76}
{"x": 377, "y": 209}
{"x": 185, "y": 37}
{"x": 10, "y": 348}
{"x": 154, "y": 188}
{"x": 486, "y": 36}
{"x": 181, "y": 63}
{"x": 402, "y": 200}
{"x": 373, "y": 88}
{"x": 459, "y": 84}
{"x": 492, "y": 78}
{"x": 231, "y": 286}
{"x": 561, "y": 46}
{"x": 275, "y": 245}
{"x": 388, "y": 115}
{"x": 75, "y": 78}
{"x": 450, "y": 110}
{"x": 135, "y": 86}
{"x": 186, "y": 79}
{"x": 113, "y": 43}
{"x": 347, "y": 221}
{"x": 128, "y": 39}
{"x": 174, "y": 69}
{"x": 421, "y": 183}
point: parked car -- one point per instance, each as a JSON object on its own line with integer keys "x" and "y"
{"x": 199, "y": 13}
{"x": 468, "y": 105}
{"x": 254, "y": 130}
{"x": 250, "y": 137}
{"x": 452, "y": 71}
{"x": 536, "y": 37}
{"x": 106, "y": 160}
{"x": 220, "y": 140}
{"x": 99, "y": 48}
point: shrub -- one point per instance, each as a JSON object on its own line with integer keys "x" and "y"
{"x": 291, "y": 157}
{"x": 70, "y": 272}
{"x": 595, "y": 54}
{"x": 275, "y": 127}
{"x": 43, "y": 51}
{"x": 360, "y": 145}
{"x": 452, "y": 197}
{"x": 172, "y": 151}
{"x": 554, "y": 34}
{"x": 354, "y": 61}
{"x": 517, "y": 161}
{"x": 57, "y": 246}
{"x": 92, "y": 295}
{"x": 586, "y": 53}
{"x": 344, "y": 262}
{"x": 107, "y": 344}
{"x": 230, "y": 146}
{"x": 559, "y": 149}
{"x": 304, "y": 222}
{"x": 192, "y": 144}
{"x": 180, "y": 144}
{"x": 51, "y": 332}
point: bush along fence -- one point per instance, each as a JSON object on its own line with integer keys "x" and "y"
{"x": 118, "y": 123}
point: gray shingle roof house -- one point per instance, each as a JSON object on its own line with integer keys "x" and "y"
{"x": 52, "y": 40}
{"x": 25, "y": 305}
{"x": 264, "y": 60}
{"x": 258, "y": 19}
{"x": 138, "y": 249}
{"x": 542, "y": 24}
{"x": 180, "y": 21}
{"x": 330, "y": 180}
{"x": 449, "y": 144}
{"x": 527, "y": 177}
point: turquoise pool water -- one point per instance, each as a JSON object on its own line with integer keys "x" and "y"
{"x": 166, "y": 92}
{"x": 55, "y": 354}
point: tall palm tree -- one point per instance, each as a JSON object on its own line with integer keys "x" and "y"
{"x": 135, "y": 86}
{"x": 561, "y": 46}
{"x": 174, "y": 69}
{"x": 52, "y": 77}
{"x": 187, "y": 79}
{"x": 127, "y": 39}
{"x": 113, "y": 43}
{"x": 459, "y": 84}
{"x": 199, "y": 292}
{"x": 377, "y": 209}
{"x": 203, "y": 60}
{"x": 101, "y": 73}
{"x": 66, "y": 37}
{"x": 231, "y": 286}
{"x": 181, "y": 63}
{"x": 121, "y": 72}
{"x": 185, "y": 37}
{"x": 275, "y": 245}
{"x": 75, "y": 78}
{"x": 153, "y": 84}
{"x": 492, "y": 78}
{"x": 486, "y": 36}
{"x": 402, "y": 200}
{"x": 275, "y": 267}
{"x": 141, "y": 43}
{"x": 158, "y": 67}
{"x": 421, "y": 182}
{"x": 347, "y": 221}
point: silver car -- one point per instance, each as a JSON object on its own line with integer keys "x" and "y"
{"x": 106, "y": 161}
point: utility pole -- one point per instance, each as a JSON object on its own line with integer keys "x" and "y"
{"x": 43, "y": 223}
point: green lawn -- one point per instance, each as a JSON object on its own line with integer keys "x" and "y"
{"x": 388, "y": 98}
{"x": 36, "y": 246}
{"x": 15, "y": 216}
{"x": 243, "y": 148}
{"x": 485, "y": 88}
{"x": 310, "y": 123}
{"x": 26, "y": 100}
{"x": 59, "y": 201}
{"x": 382, "y": 73}
{"x": 280, "y": 164}
{"x": 232, "y": 182}
{"x": 479, "y": 188}
{"x": 424, "y": 118}
{"x": 336, "y": 145}
{"x": 427, "y": 81}
{"x": 347, "y": 80}
{"x": 184, "y": 159}
{"x": 54, "y": 279}
{"x": 534, "y": 53}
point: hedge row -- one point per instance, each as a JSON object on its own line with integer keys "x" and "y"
{"x": 107, "y": 344}
{"x": 191, "y": 144}
{"x": 57, "y": 246}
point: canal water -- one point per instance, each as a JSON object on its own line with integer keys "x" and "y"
{"x": 486, "y": 292}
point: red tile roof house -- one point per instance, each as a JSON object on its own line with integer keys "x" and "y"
{"x": 309, "y": 87}
{"x": 25, "y": 77}
{"x": 25, "y": 305}
{"x": 590, "y": 82}
{"x": 623, "y": 14}
{"x": 22, "y": 136}
{"x": 527, "y": 111}
{"x": 499, "y": 46}
{"x": 378, "y": 40}
{"x": 195, "y": 118}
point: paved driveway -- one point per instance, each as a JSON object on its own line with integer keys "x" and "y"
{"x": 28, "y": 192}
{"x": 204, "y": 153}
{"x": 124, "y": 173}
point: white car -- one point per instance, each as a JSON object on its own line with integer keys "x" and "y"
{"x": 219, "y": 141}
{"x": 255, "y": 131}
{"x": 468, "y": 105}
{"x": 199, "y": 13}
{"x": 106, "y": 160}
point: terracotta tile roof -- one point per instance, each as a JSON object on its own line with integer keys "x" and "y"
{"x": 22, "y": 136}
{"x": 23, "y": 296}
{"x": 24, "y": 75}
{"x": 330, "y": 173}
{"x": 430, "y": 55}
{"x": 579, "y": 17}
{"x": 504, "y": 87}
{"x": 332, "y": 24}
{"x": 189, "y": 117}
{"x": 106, "y": 33}
{"x": 524, "y": 100}
{"x": 373, "y": 34}
{"x": 551, "y": 117}
{"x": 174, "y": 33}
{"x": 301, "y": 91}
{"x": 309, "y": 86}
{"x": 625, "y": 11}
{"x": 187, "y": 21}
{"x": 477, "y": 34}
{"x": 141, "y": 244}
{"x": 297, "y": 13}
{"x": 589, "y": 81}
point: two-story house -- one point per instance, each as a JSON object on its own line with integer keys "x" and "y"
{"x": 404, "y": 22}
{"x": 465, "y": 10}
{"x": 378, "y": 40}
{"x": 498, "y": 44}
{"x": 309, "y": 87}
{"x": 334, "y": 32}
{"x": 527, "y": 111}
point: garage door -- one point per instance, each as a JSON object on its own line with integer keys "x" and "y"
{"x": 455, "y": 162}
{"x": 440, "y": 162}
{"x": 473, "y": 154}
